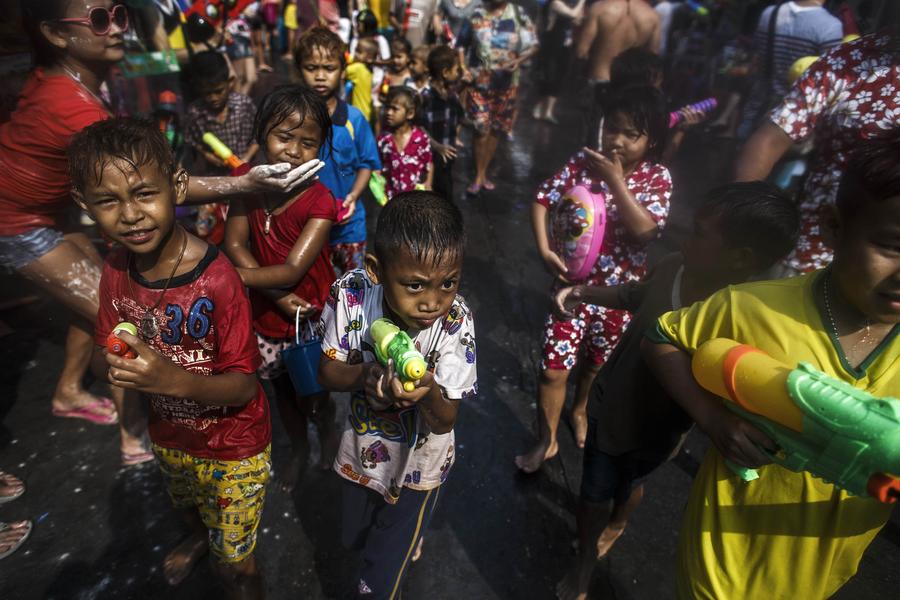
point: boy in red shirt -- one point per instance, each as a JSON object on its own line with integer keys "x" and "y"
{"x": 196, "y": 352}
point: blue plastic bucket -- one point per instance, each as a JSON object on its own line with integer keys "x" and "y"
{"x": 302, "y": 360}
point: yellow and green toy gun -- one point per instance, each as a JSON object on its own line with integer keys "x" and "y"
{"x": 820, "y": 424}
{"x": 395, "y": 344}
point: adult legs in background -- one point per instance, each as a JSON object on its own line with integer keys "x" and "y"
{"x": 70, "y": 273}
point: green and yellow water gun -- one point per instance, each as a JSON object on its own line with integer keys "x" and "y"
{"x": 820, "y": 424}
{"x": 395, "y": 344}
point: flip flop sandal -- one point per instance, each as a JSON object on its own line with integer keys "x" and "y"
{"x": 88, "y": 412}
{"x": 490, "y": 186}
{"x": 4, "y": 527}
{"x": 4, "y": 499}
{"x": 473, "y": 189}
{"x": 132, "y": 459}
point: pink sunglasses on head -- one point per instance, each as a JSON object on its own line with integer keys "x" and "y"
{"x": 101, "y": 19}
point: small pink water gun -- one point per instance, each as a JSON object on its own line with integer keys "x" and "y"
{"x": 704, "y": 106}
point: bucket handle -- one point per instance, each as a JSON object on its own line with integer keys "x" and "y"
{"x": 309, "y": 328}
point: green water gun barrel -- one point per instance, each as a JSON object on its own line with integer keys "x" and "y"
{"x": 391, "y": 343}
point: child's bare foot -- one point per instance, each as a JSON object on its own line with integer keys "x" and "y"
{"x": 179, "y": 563}
{"x": 607, "y": 539}
{"x": 290, "y": 473}
{"x": 574, "y": 586}
{"x": 532, "y": 461}
{"x": 578, "y": 420}
{"x": 418, "y": 553}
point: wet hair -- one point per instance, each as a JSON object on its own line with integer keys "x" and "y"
{"x": 441, "y": 59}
{"x": 401, "y": 45}
{"x": 322, "y": 39}
{"x": 635, "y": 66}
{"x": 873, "y": 174}
{"x": 34, "y": 12}
{"x": 756, "y": 215}
{"x": 285, "y": 100}
{"x": 134, "y": 140}
{"x": 366, "y": 23}
{"x": 424, "y": 224}
{"x": 367, "y": 45}
{"x": 645, "y": 106}
{"x": 208, "y": 69}
{"x": 411, "y": 97}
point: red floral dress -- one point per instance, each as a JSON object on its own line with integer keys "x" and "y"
{"x": 622, "y": 259}
{"x": 403, "y": 170}
{"x": 850, "y": 94}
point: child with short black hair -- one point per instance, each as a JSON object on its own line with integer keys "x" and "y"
{"x": 441, "y": 115}
{"x": 319, "y": 55}
{"x": 196, "y": 356}
{"x": 637, "y": 190}
{"x": 633, "y": 425}
{"x": 788, "y": 533}
{"x": 404, "y": 148}
{"x": 399, "y": 446}
{"x": 279, "y": 244}
{"x": 418, "y": 68}
{"x": 220, "y": 110}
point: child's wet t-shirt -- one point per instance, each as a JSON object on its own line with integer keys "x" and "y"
{"x": 387, "y": 450}
{"x": 204, "y": 322}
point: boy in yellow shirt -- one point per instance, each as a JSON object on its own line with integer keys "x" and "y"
{"x": 359, "y": 74}
{"x": 789, "y": 534}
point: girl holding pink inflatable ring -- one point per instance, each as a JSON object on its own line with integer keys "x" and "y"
{"x": 635, "y": 190}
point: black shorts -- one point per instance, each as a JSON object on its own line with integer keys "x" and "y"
{"x": 606, "y": 477}
{"x": 386, "y": 535}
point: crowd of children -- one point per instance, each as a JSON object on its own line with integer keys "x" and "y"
{"x": 294, "y": 267}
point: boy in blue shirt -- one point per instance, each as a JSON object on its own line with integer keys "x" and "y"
{"x": 349, "y": 163}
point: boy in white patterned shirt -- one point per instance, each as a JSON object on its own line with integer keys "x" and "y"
{"x": 399, "y": 447}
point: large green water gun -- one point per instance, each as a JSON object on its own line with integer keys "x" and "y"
{"x": 395, "y": 344}
{"x": 820, "y": 424}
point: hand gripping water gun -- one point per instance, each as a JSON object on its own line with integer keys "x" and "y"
{"x": 118, "y": 347}
{"x": 704, "y": 106}
{"x": 697, "y": 8}
{"x": 237, "y": 166}
{"x": 393, "y": 343}
{"x": 820, "y": 424}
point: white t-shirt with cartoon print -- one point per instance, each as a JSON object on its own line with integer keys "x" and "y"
{"x": 387, "y": 450}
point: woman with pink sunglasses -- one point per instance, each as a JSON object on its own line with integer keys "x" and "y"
{"x": 76, "y": 42}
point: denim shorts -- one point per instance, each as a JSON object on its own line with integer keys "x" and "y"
{"x": 17, "y": 251}
{"x": 607, "y": 477}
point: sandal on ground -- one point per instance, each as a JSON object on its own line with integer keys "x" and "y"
{"x": 91, "y": 412}
{"x": 473, "y": 189}
{"x": 265, "y": 69}
{"x": 489, "y": 185}
{"x": 8, "y": 480}
{"x": 6, "y": 527}
{"x": 131, "y": 459}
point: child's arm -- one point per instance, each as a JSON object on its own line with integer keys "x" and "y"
{"x": 637, "y": 219}
{"x": 429, "y": 176}
{"x": 539, "y": 218}
{"x": 237, "y": 235}
{"x": 359, "y": 185}
{"x": 153, "y": 373}
{"x": 301, "y": 257}
{"x": 735, "y": 438}
{"x": 568, "y": 298}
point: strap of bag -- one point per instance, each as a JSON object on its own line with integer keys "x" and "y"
{"x": 770, "y": 51}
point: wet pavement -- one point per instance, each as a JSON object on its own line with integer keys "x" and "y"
{"x": 102, "y": 531}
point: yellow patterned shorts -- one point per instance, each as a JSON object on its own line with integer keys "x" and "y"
{"x": 229, "y": 494}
